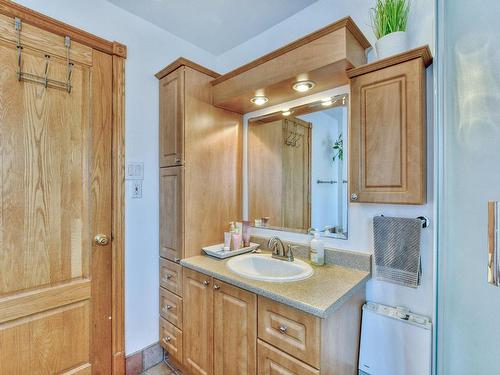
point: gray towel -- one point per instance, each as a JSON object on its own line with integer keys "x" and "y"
{"x": 397, "y": 250}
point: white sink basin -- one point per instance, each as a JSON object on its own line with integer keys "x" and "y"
{"x": 263, "y": 267}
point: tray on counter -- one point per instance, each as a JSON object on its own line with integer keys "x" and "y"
{"x": 217, "y": 251}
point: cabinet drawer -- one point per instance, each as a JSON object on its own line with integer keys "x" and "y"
{"x": 171, "y": 276}
{"x": 290, "y": 330}
{"x": 273, "y": 361}
{"x": 171, "y": 340}
{"x": 171, "y": 307}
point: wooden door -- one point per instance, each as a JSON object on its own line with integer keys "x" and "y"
{"x": 296, "y": 181}
{"x": 55, "y": 194}
{"x": 172, "y": 118}
{"x": 387, "y": 135}
{"x": 235, "y": 330}
{"x": 171, "y": 213}
{"x": 198, "y": 328}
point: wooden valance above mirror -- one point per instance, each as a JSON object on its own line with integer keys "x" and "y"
{"x": 321, "y": 57}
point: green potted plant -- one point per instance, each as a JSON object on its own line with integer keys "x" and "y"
{"x": 389, "y": 20}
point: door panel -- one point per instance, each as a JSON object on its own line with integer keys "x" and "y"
{"x": 172, "y": 118}
{"x": 171, "y": 219}
{"x": 198, "y": 330}
{"x": 468, "y": 306}
{"x": 235, "y": 330}
{"x": 55, "y": 195}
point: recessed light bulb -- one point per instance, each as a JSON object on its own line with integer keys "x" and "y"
{"x": 303, "y": 86}
{"x": 259, "y": 100}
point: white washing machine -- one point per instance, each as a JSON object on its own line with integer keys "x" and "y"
{"x": 394, "y": 341}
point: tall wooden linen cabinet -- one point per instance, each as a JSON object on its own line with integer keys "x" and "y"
{"x": 200, "y": 182}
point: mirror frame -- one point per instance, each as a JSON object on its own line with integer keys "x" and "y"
{"x": 297, "y": 105}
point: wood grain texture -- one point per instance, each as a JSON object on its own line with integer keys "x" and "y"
{"x": 181, "y": 61}
{"x": 171, "y": 130}
{"x": 38, "y": 300}
{"x": 198, "y": 314}
{"x": 171, "y": 339}
{"x": 58, "y": 341}
{"x": 272, "y": 361}
{"x": 346, "y": 22}
{"x": 387, "y": 135}
{"x": 235, "y": 330}
{"x": 340, "y": 334}
{"x": 171, "y": 276}
{"x": 171, "y": 307}
{"x": 35, "y": 38}
{"x": 301, "y": 337}
{"x": 213, "y": 139}
{"x": 423, "y": 53}
{"x": 172, "y": 213}
{"x": 118, "y": 224}
{"x": 321, "y": 57}
{"x": 101, "y": 210}
{"x": 11, "y": 9}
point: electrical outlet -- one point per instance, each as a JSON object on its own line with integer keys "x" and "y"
{"x": 137, "y": 189}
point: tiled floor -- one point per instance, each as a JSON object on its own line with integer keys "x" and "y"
{"x": 160, "y": 369}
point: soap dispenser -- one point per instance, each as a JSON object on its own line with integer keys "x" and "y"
{"x": 317, "y": 248}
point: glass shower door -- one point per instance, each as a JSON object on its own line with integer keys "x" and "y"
{"x": 468, "y": 309}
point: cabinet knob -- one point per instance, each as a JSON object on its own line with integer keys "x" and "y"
{"x": 206, "y": 282}
{"x": 354, "y": 196}
{"x": 169, "y": 276}
{"x": 216, "y": 287}
{"x": 283, "y": 329}
{"x": 168, "y": 339}
{"x": 177, "y": 260}
{"x": 101, "y": 240}
{"x": 168, "y": 307}
{"x": 178, "y": 160}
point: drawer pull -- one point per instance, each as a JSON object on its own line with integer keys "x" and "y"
{"x": 206, "y": 282}
{"x": 177, "y": 260}
{"x": 167, "y": 339}
{"x": 283, "y": 329}
{"x": 168, "y": 277}
{"x": 166, "y": 308}
{"x": 216, "y": 287}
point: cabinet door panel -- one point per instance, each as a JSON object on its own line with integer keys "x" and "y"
{"x": 198, "y": 327}
{"x": 235, "y": 330}
{"x": 272, "y": 361}
{"x": 171, "y": 213}
{"x": 387, "y": 135}
{"x": 172, "y": 118}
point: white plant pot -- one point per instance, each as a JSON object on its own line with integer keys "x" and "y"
{"x": 391, "y": 44}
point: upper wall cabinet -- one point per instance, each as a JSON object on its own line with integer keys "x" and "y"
{"x": 387, "y": 130}
{"x": 321, "y": 57}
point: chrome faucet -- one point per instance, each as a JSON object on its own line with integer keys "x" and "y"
{"x": 278, "y": 249}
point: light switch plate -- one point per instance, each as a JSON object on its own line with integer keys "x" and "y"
{"x": 135, "y": 171}
{"x": 136, "y": 189}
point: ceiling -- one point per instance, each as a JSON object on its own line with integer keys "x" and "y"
{"x": 214, "y": 25}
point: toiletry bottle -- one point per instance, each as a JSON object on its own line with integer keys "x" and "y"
{"x": 317, "y": 249}
{"x": 236, "y": 240}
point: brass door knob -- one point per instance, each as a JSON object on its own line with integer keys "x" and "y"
{"x": 101, "y": 240}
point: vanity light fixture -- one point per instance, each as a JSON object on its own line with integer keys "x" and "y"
{"x": 286, "y": 112}
{"x": 259, "y": 100}
{"x": 303, "y": 86}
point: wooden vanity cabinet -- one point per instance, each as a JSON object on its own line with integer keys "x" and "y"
{"x": 387, "y": 130}
{"x": 228, "y": 330}
{"x": 200, "y": 193}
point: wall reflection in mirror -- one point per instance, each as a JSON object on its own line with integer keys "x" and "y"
{"x": 297, "y": 168}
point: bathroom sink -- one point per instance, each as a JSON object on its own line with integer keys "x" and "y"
{"x": 264, "y": 267}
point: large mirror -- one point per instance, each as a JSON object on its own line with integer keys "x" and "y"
{"x": 297, "y": 168}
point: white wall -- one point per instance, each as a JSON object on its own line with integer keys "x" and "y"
{"x": 149, "y": 49}
{"x": 421, "y": 31}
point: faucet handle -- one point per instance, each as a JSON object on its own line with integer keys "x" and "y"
{"x": 289, "y": 253}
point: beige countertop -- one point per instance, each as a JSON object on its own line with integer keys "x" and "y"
{"x": 319, "y": 295}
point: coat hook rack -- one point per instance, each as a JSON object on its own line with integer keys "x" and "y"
{"x": 43, "y": 80}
